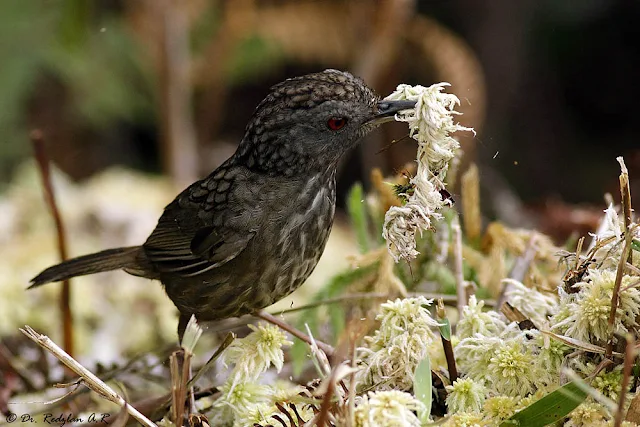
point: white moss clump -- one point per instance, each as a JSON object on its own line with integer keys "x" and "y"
{"x": 255, "y": 353}
{"x": 587, "y": 311}
{"x": 388, "y": 408}
{"x": 390, "y": 357}
{"x": 476, "y": 321}
{"x": 465, "y": 395}
{"x": 431, "y": 124}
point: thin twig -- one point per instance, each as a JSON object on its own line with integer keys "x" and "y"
{"x": 448, "y": 299}
{"x": 89, "y": 378}
{"x": 293, "y": 331}
{"x": 352, "y": 385}
{"x": 625, "y": 193}
{"x": 579, "y": 251}
{"x": 629, "y": 356}
{"x": 37, "y": 139}
{"x": 106, "y": 376}
{"x": 616, "y": 290}
{"x": 226, "y": 343}
{"x": 461, "y": 290}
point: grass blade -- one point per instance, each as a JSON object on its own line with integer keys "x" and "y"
{"x": 550, "y": 409}
{"x": 422, "y": 387}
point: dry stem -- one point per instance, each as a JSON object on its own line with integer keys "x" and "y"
{"x": 629, "y": 356}
{"x": 37, "y": 140}
{"x": 616, "y": 289}
{"x": 89, "y": 379}
{"x": 625, "y": 193}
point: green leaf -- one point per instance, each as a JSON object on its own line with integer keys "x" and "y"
{"x": 358, "y": 215}
{"x": 422, "y": 387}
{"x": 445, "y": 328}
{"x": 635, "y": 245}
{"x": 550, "y": 409}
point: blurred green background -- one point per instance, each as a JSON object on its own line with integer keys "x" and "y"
{"x": 167, "y": 86}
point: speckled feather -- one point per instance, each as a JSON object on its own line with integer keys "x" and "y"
{"x": 253, "y": 230}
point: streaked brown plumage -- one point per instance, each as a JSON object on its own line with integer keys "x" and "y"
{"x": 252, "y": 232}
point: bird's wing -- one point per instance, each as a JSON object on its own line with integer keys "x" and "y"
{"x": 200, "y": 230}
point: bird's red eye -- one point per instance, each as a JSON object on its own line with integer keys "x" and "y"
{"x": 336, "y": 123}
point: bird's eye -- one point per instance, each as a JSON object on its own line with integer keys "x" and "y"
{"x": 336, "y": 123}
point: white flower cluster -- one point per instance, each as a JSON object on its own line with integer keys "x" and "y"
{"x": 388, "y": 408}
{"x": 255, "y": 353}
{"x": 507, "y": 361}
{"x": 392, "y": 354}
{"x": 242, "y": 397}
{"x": 475, "y": 321}
{"x": 586, "y": 313}
{"x": 465, "y": 395}
{"x": 430, "y": 123}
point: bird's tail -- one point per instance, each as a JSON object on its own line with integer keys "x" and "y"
{"x": 112, "y": 259}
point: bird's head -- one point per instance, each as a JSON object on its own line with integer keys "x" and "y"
{"x": 307, "y": 123}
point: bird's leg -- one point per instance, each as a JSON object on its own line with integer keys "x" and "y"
{"x": 328, "y": 350}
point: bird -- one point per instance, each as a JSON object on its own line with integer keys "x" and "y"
{"x": 252, "y": 231}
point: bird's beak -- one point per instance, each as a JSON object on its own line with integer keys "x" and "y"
{"x": 388, "y": 109}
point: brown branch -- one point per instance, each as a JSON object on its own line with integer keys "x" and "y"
{"x": 448, "y": 300}
{"x": 328, "y": 350}
{"x": 37, "y": 139}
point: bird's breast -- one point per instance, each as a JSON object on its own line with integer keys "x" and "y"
{"x": 301, "y": 230}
